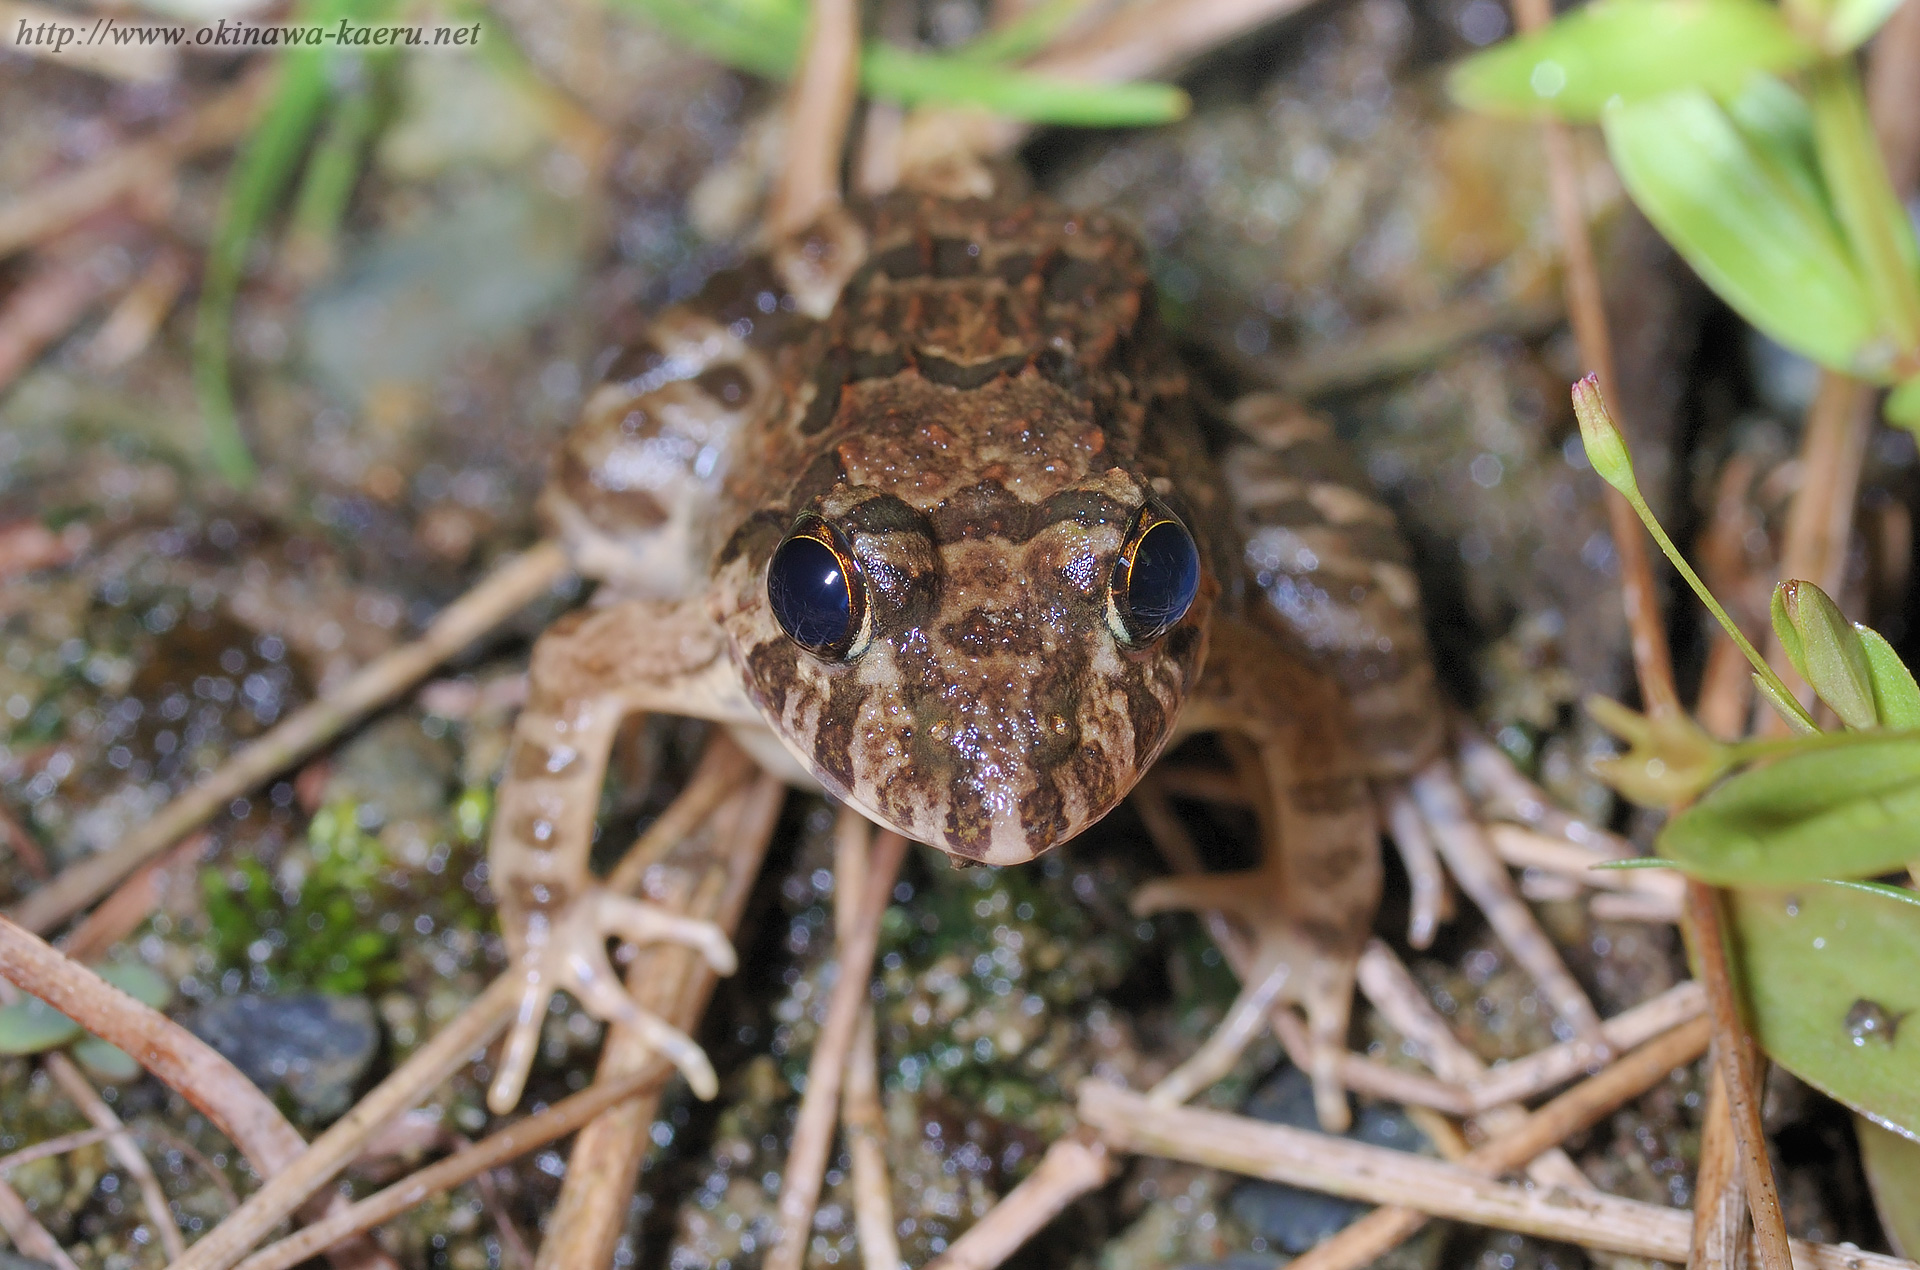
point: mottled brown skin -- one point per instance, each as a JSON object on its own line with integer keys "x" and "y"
{"x": 982, "y": 415}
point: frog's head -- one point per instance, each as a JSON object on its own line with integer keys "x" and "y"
{"x": 982, "y": 662}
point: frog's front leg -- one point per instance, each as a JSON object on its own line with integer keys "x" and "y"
{"x": 590, "y": 671}
{"x": 1310, "y": 904}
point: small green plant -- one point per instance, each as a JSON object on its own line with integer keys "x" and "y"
{"x": 1741, "y": 130}
{"x": 320, "y": 934}
{"x": 1798, "y": 830}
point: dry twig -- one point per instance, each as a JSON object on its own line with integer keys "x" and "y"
{"x": 57, "y": 292}
{"x": 175, "y": 1056}
{"x": 490, "y": 1152}
{"x": 24, "y": 846}
{"x": 123, "y": 1148}
{"x": 820, "y": 1103}
{"x": 1538, "y": 1072}
{"x": 432, "y": 1063}
{"x": 1379, "y": 1175}
{"x": 860, "y": 1111}
{"x": 55, "y": 1146}
{"x": 26, "y": 1232}
{"x": 63, "y": 201}
{"x": 491, "y": 602}
{"x": 1404, "y": 1006}
{"x": 1073, "y": 1166}
{"x": 1387, "y": 1228}
{"x": 820, "y": 104}
{"x": 131, "y": 903}
{"x": 711, "y": 881}
{"x": 1473, "y": 865}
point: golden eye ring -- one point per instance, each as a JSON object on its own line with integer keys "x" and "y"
{"x": 818, "y": 592}
{"x": 1155, "y": 580}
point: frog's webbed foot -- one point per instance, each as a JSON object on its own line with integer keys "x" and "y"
{"x": 567, "y": 949}
{"x": 1294, "y": 961}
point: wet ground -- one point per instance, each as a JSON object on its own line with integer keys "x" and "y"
{"x": 1324, "y": 222}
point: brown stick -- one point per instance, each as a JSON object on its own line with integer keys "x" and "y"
{"x": 175, "y": 1056}
{"x": 1736, "y": 1061}
{"x": 860, "y": 1111}
{"x": 1720, "y": 1205}
{"x": 491, "y": 602}
{"x": 449, "y": 1050}
{"x": 131, "y": 903}
{"x": 713, "y": 882}
{"x": 1073, "y": 1166}
{"x": 1387, "y": 1228}
{"x": 27, "y": 1234}
{"x": 1482, "y": 876}
{"x": 490, "y": 1152}
{"x": 820, "y": 1103}
{"x": 1537, "y": 1072}
{"x": 1378, "y": 1175}
{"x": 55, "y": 204}
{"x": 821, "y": 103}
{"x": 1400, "y": 1001}
{"x": 55, "y": 1146}
{"x": 24, "y": 846}
{"x": 124, "y": 1149}
{"x": 55, "y": 295}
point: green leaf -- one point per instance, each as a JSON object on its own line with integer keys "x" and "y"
{"x": 1892, "y": 1166}
{"x": 1844, "y": 811}
{"x": 765, "y": 37}
{"x": 108, "y": 1062}
{"x": 141, "y": 983}
{"x": 260, "y": 174}
{"x": 1869, "y": 211}
{"x": 1743, "y": 209}
{"x": 1785, "y": 706}
{"x": 1896, "y": 697}
{"x": 1632, "y": 50}
{"x": 1826, "y": 650}
{"x": 1829, "y": 979}
{"x": 1784, "y": 632}
{"x": 1903, "y": 405}
{"x": 1852, "y": 23}
{"x": 30, "y": 1025}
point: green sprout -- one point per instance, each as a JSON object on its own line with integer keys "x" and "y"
{"x": 1607, "y": 451}
{"x": 1741, "y": 131}
{"x": 1795, "y": 828}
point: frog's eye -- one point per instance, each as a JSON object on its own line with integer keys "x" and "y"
{"x": 817, "y": 592}
{"x": 1155, "y": 579}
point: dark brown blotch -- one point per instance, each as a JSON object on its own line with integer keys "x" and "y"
{"x": 828, "y": 380}
{"x": 725, "y": 384}
{"x": 955, "y": 258}
{"x": 986, "y": 510}
{"x": 953, "y": 374}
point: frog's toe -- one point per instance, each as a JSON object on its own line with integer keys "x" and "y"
{"x": 523, "y": 1039}
{"x": 602, "y": 994}
{"x": 639, "y": 922}
{"x": 579, "y": 954}
{"x": 1293, "y": 962}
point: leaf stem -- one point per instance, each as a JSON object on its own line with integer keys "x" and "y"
{"x": 1760, "y": 666}
{"x": 1864, "y": 201}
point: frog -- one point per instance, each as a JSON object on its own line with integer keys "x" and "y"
{"x": 951, "y": 538}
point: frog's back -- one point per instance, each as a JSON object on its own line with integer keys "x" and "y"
{"x": 985, "y": 369}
